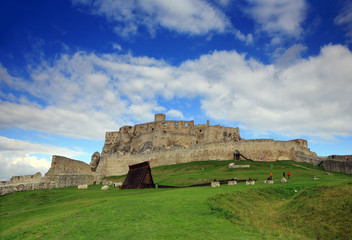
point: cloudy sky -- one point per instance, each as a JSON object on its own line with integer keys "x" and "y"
{"x": 72, "y": 70}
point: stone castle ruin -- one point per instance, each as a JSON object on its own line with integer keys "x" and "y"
{"x": 164, "y": 142}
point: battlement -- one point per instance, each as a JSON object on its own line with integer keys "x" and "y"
{"x": 164, "y": 133}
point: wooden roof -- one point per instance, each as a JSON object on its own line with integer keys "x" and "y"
{"x": 139, "y": 176}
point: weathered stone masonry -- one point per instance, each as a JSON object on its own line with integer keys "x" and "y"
{"x": 165, "y": 142}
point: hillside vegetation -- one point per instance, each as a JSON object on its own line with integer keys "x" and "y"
{"x": 301, "y": 209}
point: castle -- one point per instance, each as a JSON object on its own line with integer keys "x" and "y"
{"x": 164, "y": 142}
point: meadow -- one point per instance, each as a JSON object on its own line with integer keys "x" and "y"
{"x": 303, "y": 208}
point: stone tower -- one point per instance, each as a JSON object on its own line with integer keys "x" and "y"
{"x": 159, "y": 117}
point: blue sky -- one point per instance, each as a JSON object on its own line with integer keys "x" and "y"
{"x": 72, "y": 70}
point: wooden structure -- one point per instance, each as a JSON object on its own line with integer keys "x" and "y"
{"x": 139, "y": 176}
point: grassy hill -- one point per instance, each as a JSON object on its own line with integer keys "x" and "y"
{"x": 301, "y": 209}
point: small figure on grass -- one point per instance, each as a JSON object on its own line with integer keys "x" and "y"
{"x": 288, "y": 175}
{"x": 269, "y": 180}
{"x": 284, "y": 175}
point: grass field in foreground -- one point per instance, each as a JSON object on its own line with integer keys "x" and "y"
{"x": 279, "y": 211}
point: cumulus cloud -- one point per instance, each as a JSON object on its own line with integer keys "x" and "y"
{"x": 176, "y": 114}
{"x": 87, "y": 94}
{"x": 17, "y": 157}
{"x": 278, "y": 18}
{"x": 192, "y": 17}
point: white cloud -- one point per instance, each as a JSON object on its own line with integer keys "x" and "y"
{"x": 278, "y": 17}
{"x": 290, "y": 56}
{"x": 192, "y": 17}
{"x": 87, "y": 94}
{"x": 345, "y": 18}
{"x": 21, "y": 165}
{"x": 176, "y": 114}
{"x": 17, "y": 157}
{"x": 117, "y": 46}
{"x": 308, "y": 98}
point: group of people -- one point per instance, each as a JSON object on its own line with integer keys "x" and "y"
{"x": 288, "y": 175}
{"x": 269, "y": 178}
{"x": 283, "y": 174}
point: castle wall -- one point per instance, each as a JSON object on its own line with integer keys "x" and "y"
{"x": 254, "y": 149}
{"x": 67, "y": 172}
{"x": 338, "y": 166}
{"x": 336, "y": 163}
{"x": 314, "y": 160}
{"x": 61, "y": 164}
{"x": 26, "y": 178}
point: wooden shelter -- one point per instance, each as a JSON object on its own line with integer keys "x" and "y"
{"x": 139, "y": 176}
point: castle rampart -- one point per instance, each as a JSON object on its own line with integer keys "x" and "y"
{"x": 256, "y": 150}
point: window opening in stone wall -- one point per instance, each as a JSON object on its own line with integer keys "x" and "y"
{"x": 152, "y": 129}
{"x": 176, "y": 124}
{"x": 186, "y": 124}
{"x": 200, "y": 130}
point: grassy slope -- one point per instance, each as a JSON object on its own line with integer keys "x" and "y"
{"x": 188, "y": 213}
{"x": 320, "y": 212}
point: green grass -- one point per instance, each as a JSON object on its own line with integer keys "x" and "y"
{"x": 230, "y": 212}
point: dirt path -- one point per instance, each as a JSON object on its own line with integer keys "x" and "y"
{"x": 329, "y": 174}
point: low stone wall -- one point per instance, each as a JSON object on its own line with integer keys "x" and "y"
{"x": 338, "y": 166}
{"x": 71, "y": 180}
{"x": 20, "y": 187}
{"x": 26, "y": 178}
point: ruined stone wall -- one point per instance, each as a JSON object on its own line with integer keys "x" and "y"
{"x": 338, "y": 166}
{"x": 61, "y": 164}
{"x": 26, "y": 178}
{"x": 28, "y": 186}
{"x": 219, "y": 133}
{"x": 64, "y": 172}
{"x": 165, "y": 134}
{"x": 160, "y": 139}
{"x": 339, "y": 163}
{"x": 314, "y": 160}
{"x": 254, "y": 149}
{"x": 67, "y": 172}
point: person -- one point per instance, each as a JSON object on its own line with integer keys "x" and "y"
{"x": 235, "y": 179}
{"x": 283, "y": 174}
{"x": 288, "y": 175}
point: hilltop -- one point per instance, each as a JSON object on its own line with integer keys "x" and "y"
{"x": 277, "y": 211}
